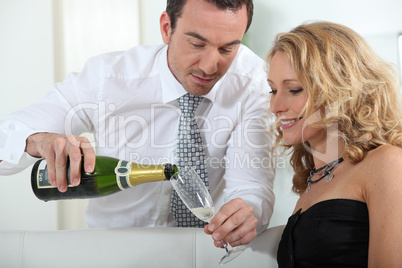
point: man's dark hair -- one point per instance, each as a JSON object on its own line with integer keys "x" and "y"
{"x": 175, "y": 8}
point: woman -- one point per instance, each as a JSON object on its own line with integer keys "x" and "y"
{"x": 338, "y": 112}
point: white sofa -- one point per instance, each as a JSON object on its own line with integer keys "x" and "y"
{"x": 131, "y": 247}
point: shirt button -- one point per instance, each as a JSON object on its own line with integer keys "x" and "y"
{"x": 161, "y": 223}
{"x": 11, "y": 157}
{"x": 167, "y": 192}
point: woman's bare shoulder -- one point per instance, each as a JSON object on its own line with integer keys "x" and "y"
{"x": 383, "y": 165}
{"x": 385, "y": 155}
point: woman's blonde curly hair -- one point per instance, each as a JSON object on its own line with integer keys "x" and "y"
{"x": 347, "y": 84}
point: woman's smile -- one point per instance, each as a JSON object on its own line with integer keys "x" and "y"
{"x": 288, "y": 123}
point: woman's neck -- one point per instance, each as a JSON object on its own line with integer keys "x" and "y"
{"x": 327, "y": 149}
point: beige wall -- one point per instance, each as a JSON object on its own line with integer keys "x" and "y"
{"x": 26, "y": 71}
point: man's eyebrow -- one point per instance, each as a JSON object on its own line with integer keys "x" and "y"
{"x": 196, "y": 35}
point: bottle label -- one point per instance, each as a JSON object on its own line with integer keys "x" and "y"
{"x": 43, "y": 178}
{"x": 122, "y": 171}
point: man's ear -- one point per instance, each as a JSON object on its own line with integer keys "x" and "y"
{"x": 165, "y": 27}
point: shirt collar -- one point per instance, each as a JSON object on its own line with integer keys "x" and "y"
{"x": 171, "y": 88}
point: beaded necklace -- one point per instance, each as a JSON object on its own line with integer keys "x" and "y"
{"x": 324, "y": 171}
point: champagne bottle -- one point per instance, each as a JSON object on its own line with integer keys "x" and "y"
{"x": 110, "y": 176}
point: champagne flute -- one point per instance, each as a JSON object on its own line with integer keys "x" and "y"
{"x": 192, "y": 191}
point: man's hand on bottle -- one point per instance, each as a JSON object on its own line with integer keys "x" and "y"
{"x": 234, "y": 223}
{"x": 56, "y": 148}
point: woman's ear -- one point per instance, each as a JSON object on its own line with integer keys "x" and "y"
{"x": 165, "y": 27}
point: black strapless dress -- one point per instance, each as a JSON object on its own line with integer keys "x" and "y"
{"x": 331, "y": 233}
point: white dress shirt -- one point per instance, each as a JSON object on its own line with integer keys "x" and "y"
{"x": 128, "y": 100}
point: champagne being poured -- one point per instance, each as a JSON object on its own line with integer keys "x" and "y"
{"x": 110, "y": 176}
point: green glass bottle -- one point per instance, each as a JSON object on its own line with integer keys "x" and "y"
{"x": 111, "y": 175}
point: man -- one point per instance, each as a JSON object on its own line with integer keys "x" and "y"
{"x": 129, "y": 101}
